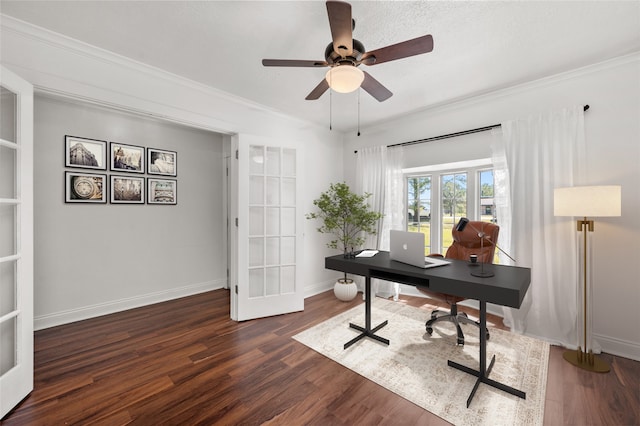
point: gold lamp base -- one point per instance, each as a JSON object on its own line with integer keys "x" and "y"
{"x": 586, "y": 361}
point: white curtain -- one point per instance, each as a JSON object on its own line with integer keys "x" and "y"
{"x": 379, "y": 173}
{"x": 534, "y": 156}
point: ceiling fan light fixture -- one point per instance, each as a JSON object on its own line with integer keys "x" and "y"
{"x": 344, "y": 78}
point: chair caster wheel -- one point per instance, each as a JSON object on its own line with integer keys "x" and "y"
{"x": 488, "y": 335}
{"x": 460, "y": 341}
{"x": 434, "y": 315}
{"x": 429, "y": 330}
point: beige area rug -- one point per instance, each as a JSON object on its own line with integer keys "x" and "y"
{"x": 414, "y": 365}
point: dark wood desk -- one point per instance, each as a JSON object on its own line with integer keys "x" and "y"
{"x": 507, "y": 287}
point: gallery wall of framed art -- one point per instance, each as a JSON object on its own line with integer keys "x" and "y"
{"x": 114, "y": 253}
{"x": 129, "y": 162}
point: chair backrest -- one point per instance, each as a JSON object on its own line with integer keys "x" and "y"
{"x": 468, "y": 242}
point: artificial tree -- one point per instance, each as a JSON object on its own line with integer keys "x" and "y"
{"x": 347, "y": 216}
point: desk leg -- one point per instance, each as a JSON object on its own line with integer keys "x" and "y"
{"x": 366, "y": 331}
{"x": 483, "y": 373}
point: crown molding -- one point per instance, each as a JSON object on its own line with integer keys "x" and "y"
{"x": 490, "y": 95}
{"x": 77, "y": 47}
{"x": 556, "y": 78}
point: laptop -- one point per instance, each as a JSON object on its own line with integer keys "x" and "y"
{"x": 408, "y": 247}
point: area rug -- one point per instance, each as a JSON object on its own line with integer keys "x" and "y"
{"x": 414, "y": 365}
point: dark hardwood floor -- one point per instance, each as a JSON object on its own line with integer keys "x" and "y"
{"x": 184, "y": 362}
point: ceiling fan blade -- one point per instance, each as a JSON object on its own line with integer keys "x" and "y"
{"x": 293, "y": 63}
{"x": 375, "y": 88}
{"x": 318, "y": 91}
{"x": 416, "y": 46}
{"x": 341, "y": 27}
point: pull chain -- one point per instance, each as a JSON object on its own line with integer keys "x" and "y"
{"x": 330, "y": 102}
{"x": 359, "y": 111}
{"x": 330, "y": 108}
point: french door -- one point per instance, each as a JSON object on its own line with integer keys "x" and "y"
{"x": 268, "y": 229}
{"x": 16, "y": 240}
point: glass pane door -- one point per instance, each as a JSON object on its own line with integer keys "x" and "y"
{"x": 16, "y": 240}
{"x": 8, "y": 223}
{"x": 272, "y": 232}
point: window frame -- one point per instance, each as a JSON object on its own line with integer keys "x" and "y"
{"x": 472, "y": 168}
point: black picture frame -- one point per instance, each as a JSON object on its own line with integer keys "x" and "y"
{"x": 127, "y": 189}
{"x": 162, "y": 191}
{"x": 126, "y": 158}
{"x": 85, "y": 187}
{"x": 162, "y": 162}
{"x": 85, "y": 153}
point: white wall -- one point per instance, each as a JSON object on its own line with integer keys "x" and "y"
{"x": 99, "y": 258}
{"x": 57, "y": 65}
{"x": 612, "y": 89}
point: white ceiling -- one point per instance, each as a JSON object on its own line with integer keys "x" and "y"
{"x": 479, "y": 46}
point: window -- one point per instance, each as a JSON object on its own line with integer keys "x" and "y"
{"x": 438, "y": 196}
{"x": 487, "y": 205}
{"x": 419, "y": 207}
{"x": 453, "y": 202}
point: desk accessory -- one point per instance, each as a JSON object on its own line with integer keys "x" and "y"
{"x": 593, "y": 201}
{"x": 367, "y": 253}
{"x": 482, "y": 273}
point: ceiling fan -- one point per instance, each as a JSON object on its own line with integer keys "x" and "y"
{"x": 345, "y": 54}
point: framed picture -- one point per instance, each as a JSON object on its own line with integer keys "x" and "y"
{"x": 85, "y": 153}
{"x": 127, "y": 190}
{"x": 127, "y": 158}
{"x": 162, "y": 191}
{"x": 85, "y": 188}
{"x": 161, "y": 162}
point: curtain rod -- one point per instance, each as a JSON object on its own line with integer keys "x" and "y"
{"x": 452, "y": 135}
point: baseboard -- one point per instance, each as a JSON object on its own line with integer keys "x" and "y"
{"x": 618, "y": 347}
{"x": 318, "y": 288}
{"x": 86, "y": 312}
{"x": 79, "y": 314}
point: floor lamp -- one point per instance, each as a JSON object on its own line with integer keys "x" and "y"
{"x": 586, "y": 201}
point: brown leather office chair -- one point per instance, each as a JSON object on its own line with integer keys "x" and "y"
{"x": 465, "y": 243}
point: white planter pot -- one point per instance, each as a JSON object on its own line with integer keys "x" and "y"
{"x": 345, "y": 290}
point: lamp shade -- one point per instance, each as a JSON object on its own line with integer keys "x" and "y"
{"x": 344, "y": 78}
{"x": 587, "y": 201}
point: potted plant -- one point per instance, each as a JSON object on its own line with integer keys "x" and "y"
{"x": 347, "y": 216}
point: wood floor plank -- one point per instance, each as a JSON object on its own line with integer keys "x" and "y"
{"x": 184, "y": 362}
